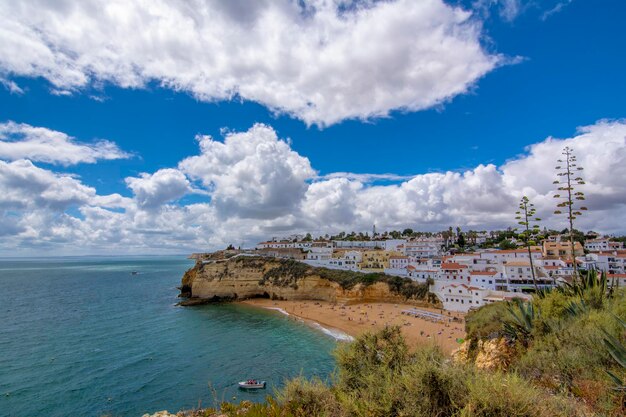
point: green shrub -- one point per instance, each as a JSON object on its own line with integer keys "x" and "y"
{"x": 497, "y": 394}
{"x": 486, "y": 322}
{"x": 304, "y": 398}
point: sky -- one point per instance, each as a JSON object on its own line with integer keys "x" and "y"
{"x": 134, "y": 127}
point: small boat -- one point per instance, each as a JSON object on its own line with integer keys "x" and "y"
{"x": 252, "y": 384}
{"x": 134, "y": 273}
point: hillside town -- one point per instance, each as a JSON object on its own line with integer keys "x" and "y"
{"x": 462, "y": 278}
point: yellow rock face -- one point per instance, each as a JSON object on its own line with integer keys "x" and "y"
{"x": 242, "y": 280}
{"x": 490, "y": 355}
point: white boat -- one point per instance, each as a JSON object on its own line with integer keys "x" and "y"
{"x": 252, "y": 384}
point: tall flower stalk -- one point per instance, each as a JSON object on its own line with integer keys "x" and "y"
{"x": 526, "y": 217}
{"x": 569, "y": 178}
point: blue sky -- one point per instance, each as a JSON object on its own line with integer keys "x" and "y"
{"x": 560, "y": 65}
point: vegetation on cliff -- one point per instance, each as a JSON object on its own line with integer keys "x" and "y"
{"x": 288, "y": 272}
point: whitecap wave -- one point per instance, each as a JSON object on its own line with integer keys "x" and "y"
{"x": 280, "y": 310}
{"x": 334, "y": 333}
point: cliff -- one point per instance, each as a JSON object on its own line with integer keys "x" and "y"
{"x": 244, "y": 277}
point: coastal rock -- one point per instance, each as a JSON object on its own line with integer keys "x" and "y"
{"x": 163, "y": 413}
{"x": 242, "y": 278}
{"x": 492, "y": 355}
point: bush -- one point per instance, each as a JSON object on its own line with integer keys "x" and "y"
{"x": 304, "y": 398}
{"x": 486, "y": 322}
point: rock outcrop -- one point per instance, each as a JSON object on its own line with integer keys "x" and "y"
{"x": 492, "y": 355}
{"x": 242, "y": 277}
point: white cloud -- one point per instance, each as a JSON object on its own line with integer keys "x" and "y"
{"x": 11, "y": 86}
{"x": 321, "y": 61}
{"x": 25, "y": 186}
{"x": 251, "y": 174}
{"x": 365, "y": 178}
{"x": 23, "y": 141}
{"x": 508, "y": 10}
{"x": 154, "y": 190}
{"x": 259, "y": 187}
{"x": 558, "y": 7}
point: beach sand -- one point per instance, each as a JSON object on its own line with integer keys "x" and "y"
{"x": 355, "y": 319}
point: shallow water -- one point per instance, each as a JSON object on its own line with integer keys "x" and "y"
{"x": 84, "y": 337}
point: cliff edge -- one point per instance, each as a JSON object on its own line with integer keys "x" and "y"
{"x": 244, "y": 277}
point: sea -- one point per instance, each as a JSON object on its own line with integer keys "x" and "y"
{"x": 84, "y": 336}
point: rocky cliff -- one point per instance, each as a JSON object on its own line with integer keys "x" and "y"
{"x": 244, "y": 277}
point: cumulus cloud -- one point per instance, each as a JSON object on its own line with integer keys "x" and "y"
{"x": 321, "y": 61}
{"x": 23, "y": 141}
{"x": 258, "y": 187}
{"x": 250, "y": 174}
{"x": 153, "y": 190}
{"x": 25, "y": 186}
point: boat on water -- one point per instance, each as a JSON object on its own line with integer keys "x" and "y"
{"x": 134, "y": 273}
{"x": 252, "y": 384}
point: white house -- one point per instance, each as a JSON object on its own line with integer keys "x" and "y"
{"x": 612, "y": 262}
{"x": 461, "y": 297}
{"x": 319, "y": 254}
{"x": 454, "y": 272}
{"x": 520, "y": 278}
{"x": 602, "y": 245}
{"x": 485, "y": 279}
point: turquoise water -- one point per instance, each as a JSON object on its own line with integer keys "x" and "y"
{"x": 84, "y": 337}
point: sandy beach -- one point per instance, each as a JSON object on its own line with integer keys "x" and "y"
{"x": 355, "y": 319}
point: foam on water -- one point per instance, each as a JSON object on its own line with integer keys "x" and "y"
{"x": 334, "y": 333}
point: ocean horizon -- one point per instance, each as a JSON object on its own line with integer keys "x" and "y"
{"x": 83, "y": 336}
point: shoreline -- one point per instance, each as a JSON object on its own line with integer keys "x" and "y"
{"x": 354, "y": 319}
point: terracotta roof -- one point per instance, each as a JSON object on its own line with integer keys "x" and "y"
{"x": 616, "y": 276}
{"x": 518, "y": 263}
{"x": 515, "y": 250}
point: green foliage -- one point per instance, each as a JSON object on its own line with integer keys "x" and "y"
{"x": 519, "y": 327}
{"x": 304, "y": 398}
{"x": 567, "y": 345}
{"x": 568, "y": 341}
{"x": 507, "y": 244}
{"x": 379, "y": 377}
{"x": 485, "y": 322}
{"x": 617, "y": 350}
{"x": 289, "y": 271}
